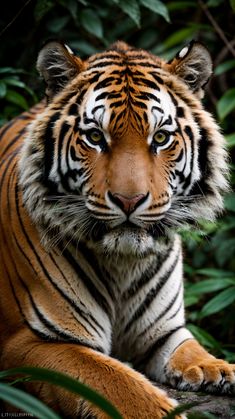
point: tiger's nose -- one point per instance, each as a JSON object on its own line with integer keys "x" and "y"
{"x": 127, "y": 203}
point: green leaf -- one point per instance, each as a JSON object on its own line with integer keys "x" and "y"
{"x": 226, "y": 66}
{"x": 204, "y": 337}
{"x": 226, "y": 104}
{"x": 229, "y": 202}
{"x": 3, "y": 89}
{"x": 230, "y": 138}
{"x": 72, "y": 6}
{"x": 10, "y": 70}
{"x": 65, "y": 381}
{"x": 180, "y": 409}
{"x": 57, "y": 24}
{"x": 92, "y": 23}
{"x": 156, "y": 6}
{"x": 220, "y": 301}
{"x": 181, "y": 5}
{"x": 216, "y": 273}
{"x": 190, "y": 300}
{"x": 14, "y": 82}
{"x": 214, "y": 3}
{"x": 132, "y": 9}
{"x": 42, "y": 8}
{"x": 26, "y": 402}
{"x": 179, "y": 37}
{"x": 232, "y": 4}
{"x": 17, "y": 99}
{"x": 11, "y": 81}
{"x": 210, "y": 285}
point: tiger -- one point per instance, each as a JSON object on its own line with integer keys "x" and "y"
{"x": 96, "y": 181}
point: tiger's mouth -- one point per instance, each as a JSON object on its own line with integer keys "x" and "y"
{"x": 155, "y": 230}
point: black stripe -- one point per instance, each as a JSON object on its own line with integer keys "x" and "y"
{"x": 90, "y": 257}
{"x": 151, "y": 295}
{"x": 98, "y": 204}
{"x": 5, "y": 128}
{"x": 88, "y": 317}
{"x": 105, "y": 56}
{"x": 189, "y": 133}
{"x": 145, "y": 82}
{"x": 147, "y": 275}
{"x": 107, "y": 82}
{"x": 10, "y": 180}
{"x": 177, "y": 310}
{"x": 95, "y": 293}
{"x": 141, "y": 361}
{"x": 157, "y": 77}
{"x": 166, "y": 309}
{"x": 107, "y": 63}
{"x": 14, "y": 140}
{"x": 49, "y": 143}
{"x": 202, "y": 187}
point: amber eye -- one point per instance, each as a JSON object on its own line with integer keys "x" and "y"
{"x": 95, "y": 136}
{"x": 161, "y": 137}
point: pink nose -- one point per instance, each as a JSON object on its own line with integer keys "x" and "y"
{"x": 126, "y": 203}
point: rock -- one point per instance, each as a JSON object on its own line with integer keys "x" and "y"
{"x": 222, "y": 407}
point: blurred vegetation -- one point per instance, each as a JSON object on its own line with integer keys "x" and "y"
{"x": 163, "y": 28}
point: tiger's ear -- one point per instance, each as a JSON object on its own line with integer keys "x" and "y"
{"x": 193, "y": 64}
{"x": 57, "y": 65}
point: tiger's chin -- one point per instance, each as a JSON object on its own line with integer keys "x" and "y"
{"x": 131, "y": 242}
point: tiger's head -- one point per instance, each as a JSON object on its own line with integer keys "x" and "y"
{"x": 124, "y": 150}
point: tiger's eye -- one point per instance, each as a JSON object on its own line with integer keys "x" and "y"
{"x": 160, "y": 137}
{"x": 96, "y": 136}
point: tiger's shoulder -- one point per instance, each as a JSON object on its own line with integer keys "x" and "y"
{"x": 12, "y": 134}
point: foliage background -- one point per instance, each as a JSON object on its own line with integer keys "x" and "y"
{"x": 163, "y": 28}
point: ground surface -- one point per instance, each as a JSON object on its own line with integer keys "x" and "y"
{"x": 222, "y": 407}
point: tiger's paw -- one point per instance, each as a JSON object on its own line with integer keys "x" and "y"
{"x": 215, "y": 376}
{"x": 197, "y": 370}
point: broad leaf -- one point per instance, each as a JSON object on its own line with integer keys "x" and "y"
{"x": 26, "y": 402}
{"x": 17, "y": 99}
{"x": 158, "y": 7}
{"x": 132, "y": 9}
{"x": 204, "y": 337}
{"x": 57, "y": 24}
{"x": 179, "y": 37}
{"x": 216, "y": 273}
{"x": 3, "y": 89}
{"x": 220, "y": 301}
{"x": 232, "y": 4}
{"x": 210, "y": 285}
{"x": 230, "y": 138}
{"x": 65, "y": 381}
{"x": 92, "y": 23}
{"x": 226, "y": 104}
{"x": 225, "y": 66}
{"x": 229, "y": 202}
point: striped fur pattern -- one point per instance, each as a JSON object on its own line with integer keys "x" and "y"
{"x": 93, "y": 184}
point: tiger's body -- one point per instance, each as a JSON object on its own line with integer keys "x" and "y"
{"x": 91, "y": 190}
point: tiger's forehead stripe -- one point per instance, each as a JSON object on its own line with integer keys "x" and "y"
{"x": 129, "y": 96}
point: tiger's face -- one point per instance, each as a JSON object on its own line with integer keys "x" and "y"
{"x": 124, "y": 150}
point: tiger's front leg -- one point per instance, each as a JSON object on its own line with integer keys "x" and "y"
{"x": 129, "y": 391}
{"x": 191, "y": 367}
